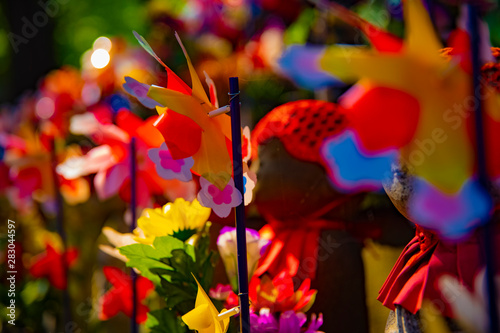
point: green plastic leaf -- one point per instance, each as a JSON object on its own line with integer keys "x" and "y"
{"x": 180, "y": 296}
{"x": 182, "y": 262}
{"x": 170, "y": 264}
{"x": 144, "y": 258}
{"x": 493, "y": 20}
{"x": 152, "y": 261}
{"x": 165, "y": 321}
{"x": 166, "y": 244}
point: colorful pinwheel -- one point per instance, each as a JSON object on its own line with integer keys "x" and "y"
{"x": 190, "y": 130}
{"x": 409, "y": 105}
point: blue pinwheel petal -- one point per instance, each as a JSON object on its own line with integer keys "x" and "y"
{"x": 301, "y": 65}
{"x": 453, "y": 216}
{"x": 352, "y": 170}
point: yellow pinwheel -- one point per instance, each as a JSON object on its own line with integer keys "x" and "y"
{"x": 205, "y": 318}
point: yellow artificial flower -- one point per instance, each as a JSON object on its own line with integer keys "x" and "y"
{"x": 205, "y": 318}
{"x": 181, "y": 218}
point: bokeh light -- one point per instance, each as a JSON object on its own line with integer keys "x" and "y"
{"x": 100, "y": 58}
{"x": 91, "y": 93}
{"x": 103, "y": 43}
{"x": 45, "y": 108}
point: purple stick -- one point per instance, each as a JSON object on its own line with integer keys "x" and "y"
{"x": 241, "y": 236}
{"x": 487, "y": 230}
{"x": 61, "y": 232}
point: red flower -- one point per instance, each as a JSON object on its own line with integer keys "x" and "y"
{"x": 50, "y": 265}
{"x": 119, "y": 297}
{"x": 278, "y": 294}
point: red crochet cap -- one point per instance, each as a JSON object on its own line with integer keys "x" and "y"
{"x": 301, "y": 126}
{"x": 490, "y": 71}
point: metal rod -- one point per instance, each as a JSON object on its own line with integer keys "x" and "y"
{"x": 134, "y": 328}
{"x": 487, "y": 231}
{"x": 241, "y": 241}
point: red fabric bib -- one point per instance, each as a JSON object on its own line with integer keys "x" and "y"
{"x": 423, "y": 261}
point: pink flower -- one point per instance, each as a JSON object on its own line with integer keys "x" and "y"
{"x": 289, "y": 322}
{"x": 224, "y": 292}
{"x": 169, "y": 168}
{"x": 221, "y": 201}
{"x": 220, "y": 292}
{"x": 220, "y": 197}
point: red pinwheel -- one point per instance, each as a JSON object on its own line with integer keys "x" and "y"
{"x": 119, "y": 297}
{"x": 52, "y": 265}
{"x": 110, "y": 160}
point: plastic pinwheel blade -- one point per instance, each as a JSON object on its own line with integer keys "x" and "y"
{"x": 301, "y": 65}
{"x": 140, "y": 91}
{"x": 351, "y": 170}
{"x": 453, "y": 216}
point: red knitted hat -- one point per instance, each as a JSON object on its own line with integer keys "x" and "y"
{"x": 301, "y": 126}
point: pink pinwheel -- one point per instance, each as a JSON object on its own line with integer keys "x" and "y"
{"x": 59, "y": 93}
